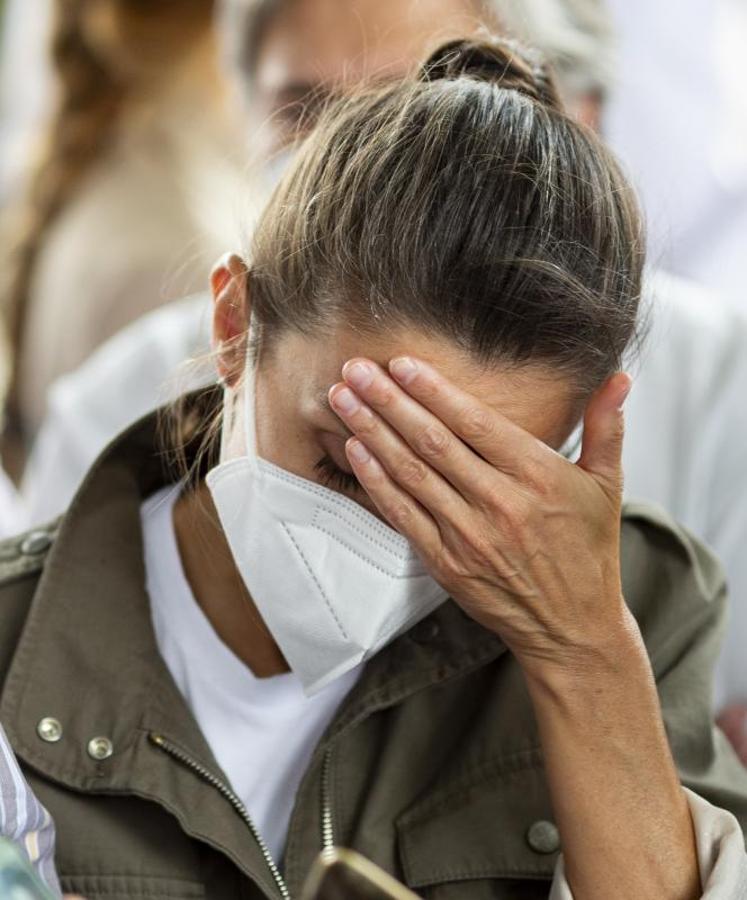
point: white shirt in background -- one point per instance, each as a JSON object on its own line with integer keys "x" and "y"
{"x": 686, "y": 441}
{"x": 10, "y": 519}
{"x": 685, "y": 448}
{"x": 262, "y": 731}
{"x": 678, "y": 120}
{"x": 26, "y": 88}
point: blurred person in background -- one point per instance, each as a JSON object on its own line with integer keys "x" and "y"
{"x": 296, "y": 646}
{"x": 25, "y": 88}
{"x": 117, "y": 216}
{"x": 683, "y": 84}
{"x": 11, "y": 521}
{"x": 687, "y": 419}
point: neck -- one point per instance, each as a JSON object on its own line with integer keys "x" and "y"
{"x": 218, "y": 586}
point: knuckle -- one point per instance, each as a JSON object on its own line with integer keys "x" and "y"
{"x": 399, "y": 515}
{"x": 432, "y": 443}
{"x": 536, "y": 473}
{"x": 494, "y": 498}
{"x": 366, "y": 425}
{"x": 428, "y": 389}
{"x": 480, "y": 548}
{"x": 517, "y": 514}
{"x": 475, "y": 423}
{"x": 449, "y": 568}
{"x": 412, "y": 471}
{"x": 383, "y": 395}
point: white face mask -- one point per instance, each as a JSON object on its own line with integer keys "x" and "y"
{"x": 332, "y": 582}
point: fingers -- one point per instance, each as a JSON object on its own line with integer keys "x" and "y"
{"x": 396, "y": 505}
{"x": 604, "y": 429}
{"x": 430, "y": 438}
{"x": 497, "y": 440}
{"x": 410, "y": 471}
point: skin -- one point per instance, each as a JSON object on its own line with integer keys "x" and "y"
{"x": 463, "y": 462}
{"x": 312, "y": 49}
{"x": 528, "y": 545}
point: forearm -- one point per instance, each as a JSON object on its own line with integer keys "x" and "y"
{"x": 625, "y": 824}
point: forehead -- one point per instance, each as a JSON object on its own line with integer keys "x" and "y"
{"x": 536, "y": 397}
{"x": 326, "y": 42}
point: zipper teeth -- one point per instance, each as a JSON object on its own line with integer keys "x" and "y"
{"x": 229, "y": 795}
{"x": 328, "y": 828}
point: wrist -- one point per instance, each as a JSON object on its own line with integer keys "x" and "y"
{"x": 604, "y": 661}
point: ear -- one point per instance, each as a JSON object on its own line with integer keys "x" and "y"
{"x": 588, "y": 111}
{"x": 229, "y": 285}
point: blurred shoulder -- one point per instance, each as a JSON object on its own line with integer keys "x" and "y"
{"x": 688, "y": 312}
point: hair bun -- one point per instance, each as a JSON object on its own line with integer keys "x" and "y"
{"x": 504, "y": 62}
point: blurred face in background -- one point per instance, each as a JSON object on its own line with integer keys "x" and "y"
{"x": 291, "y": 55}
{"x": 304, "y": 50}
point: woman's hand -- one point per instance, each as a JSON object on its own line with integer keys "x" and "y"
{"x": 525, "y": 541}
{"x": 528, "y": 544}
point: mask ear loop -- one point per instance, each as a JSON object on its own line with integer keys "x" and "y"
{"x": 250, "y": 397}
{"x": 248, "y": 387}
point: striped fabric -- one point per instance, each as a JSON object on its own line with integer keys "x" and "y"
{"x": 24, "y": 820}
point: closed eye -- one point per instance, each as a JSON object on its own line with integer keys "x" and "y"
{"x": 332, "y": 476}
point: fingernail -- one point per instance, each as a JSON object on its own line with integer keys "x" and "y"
{"x": 358, "y": 374}
{"x": 358, "y": 451}
{"x": 345, "y": 401}
{"x": 404, "y": 369}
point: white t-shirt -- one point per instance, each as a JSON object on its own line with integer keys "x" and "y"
{"x": 262, "y": 731}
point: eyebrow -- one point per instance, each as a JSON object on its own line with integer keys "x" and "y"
{"x": 321, "y": 399}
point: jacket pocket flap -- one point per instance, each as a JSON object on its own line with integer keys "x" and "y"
{"x": 495, "y": 823}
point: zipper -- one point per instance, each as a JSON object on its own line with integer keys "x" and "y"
{"x": 328, "y": 827}
{"x": 235, "y": 802}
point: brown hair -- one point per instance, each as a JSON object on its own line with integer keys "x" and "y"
{"x": 464, "y": 202}
{"x": 103, "y": 54}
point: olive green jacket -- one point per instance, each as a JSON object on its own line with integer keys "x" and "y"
{"x": 432, "y": 766}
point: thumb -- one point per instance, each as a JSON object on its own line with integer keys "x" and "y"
{"x": 604, "y": 428}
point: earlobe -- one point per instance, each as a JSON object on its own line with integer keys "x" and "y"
{"x": 229, "y": 288}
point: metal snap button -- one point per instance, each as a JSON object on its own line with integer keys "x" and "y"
{"x": 100, "y": 748}
{"x": 49, "y": 730}
{"x": 35, "y": 543}
{"x": 544, "y": 837}
{"x": 424, "y": 631}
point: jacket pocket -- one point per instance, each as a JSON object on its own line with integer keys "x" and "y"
{"x": 494, "y": 824}
{"x": 131, "y": 887}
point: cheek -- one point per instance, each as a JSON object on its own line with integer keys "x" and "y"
{"x": 282, "y": 436}
{"x": 286, "y": 436}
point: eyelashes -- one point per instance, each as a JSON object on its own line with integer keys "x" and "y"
{"x": 332, "y": 476}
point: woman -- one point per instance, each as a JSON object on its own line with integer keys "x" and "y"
{"x": 115, "y": 207}
{"x": 384, "y": 611}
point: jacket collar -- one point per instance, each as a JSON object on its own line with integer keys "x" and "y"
{"x": 88, "y": 655}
